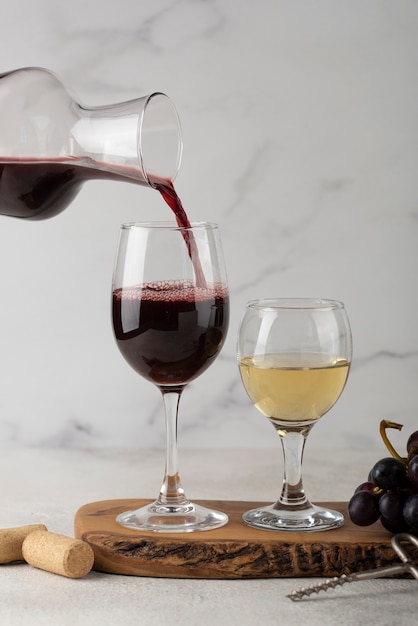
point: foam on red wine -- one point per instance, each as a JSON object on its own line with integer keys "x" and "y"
{"x": 172, "y": 291}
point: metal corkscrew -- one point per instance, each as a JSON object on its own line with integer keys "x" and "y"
{"x": 407, "y": 566}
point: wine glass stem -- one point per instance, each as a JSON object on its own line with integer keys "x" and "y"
{"x": 293, "y": 444}
{"x": 171, "y": 491}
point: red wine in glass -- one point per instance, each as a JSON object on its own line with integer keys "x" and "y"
{"x": 170, "y": 333}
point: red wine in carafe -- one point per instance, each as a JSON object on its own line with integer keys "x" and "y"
{"x": 38, "y": 190}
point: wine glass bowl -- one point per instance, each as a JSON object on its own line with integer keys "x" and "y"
{"x": 170, "y": 310}
{"x": 294, "y": 358}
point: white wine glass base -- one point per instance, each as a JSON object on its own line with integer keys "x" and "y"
{"x": 165, "y": 518}
{"x": 312, "y": 517}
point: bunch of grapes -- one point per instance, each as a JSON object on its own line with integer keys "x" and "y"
{"x": 391, "y": 490}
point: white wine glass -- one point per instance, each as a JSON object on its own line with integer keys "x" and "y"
{"x": 294, "y": 357}
{"x": 170, "y": 318}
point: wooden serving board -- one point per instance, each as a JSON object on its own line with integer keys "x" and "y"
{"x": 233, "y": 551}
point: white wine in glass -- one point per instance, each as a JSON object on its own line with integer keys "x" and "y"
{"x": 294, "y": 357}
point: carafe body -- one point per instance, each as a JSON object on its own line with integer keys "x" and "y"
{"x": 50, "y": 144}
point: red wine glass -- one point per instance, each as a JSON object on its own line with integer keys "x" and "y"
{"x": 170, "y": 310}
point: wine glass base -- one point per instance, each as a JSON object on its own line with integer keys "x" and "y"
{"x": 162, "y": 518}
{"x": 312, "y": 518}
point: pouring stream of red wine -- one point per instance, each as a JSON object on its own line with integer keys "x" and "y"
{"x": 166, "y": 189}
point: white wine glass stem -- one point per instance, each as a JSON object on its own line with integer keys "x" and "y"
{"x": 293, "y": 444}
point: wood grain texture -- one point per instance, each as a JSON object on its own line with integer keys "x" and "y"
{"x": 233, "y": 551}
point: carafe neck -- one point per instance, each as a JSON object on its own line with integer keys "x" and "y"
{"x": 138, "y": 140}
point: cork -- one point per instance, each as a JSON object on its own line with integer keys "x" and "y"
{"x": 58, "y": 554}
{"x": 11, "y": 540}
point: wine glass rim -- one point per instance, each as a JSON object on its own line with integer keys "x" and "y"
{"x": 167, "y": 225}
{"x": 273, "y": 304}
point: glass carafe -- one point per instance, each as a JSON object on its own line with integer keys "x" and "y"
{"x": 50, "y": 144}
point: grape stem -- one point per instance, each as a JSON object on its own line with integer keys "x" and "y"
{"x": 384, "y": 424}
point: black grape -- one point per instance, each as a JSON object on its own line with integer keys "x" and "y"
{"x": 391, "y": 506}
{"x": 368, "y": 486}
{"x": 399, "y": 526}
{"x": 412, "y": 443}
{"x": 389, "y": 473}
{"x": 413, "y": 473}
{"x": 363, "y": 508}
{"x": 410, "y": 513}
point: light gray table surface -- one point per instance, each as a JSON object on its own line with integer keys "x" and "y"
{"x": 48, "y": 486}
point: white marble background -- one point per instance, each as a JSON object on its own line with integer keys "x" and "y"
{"x": 300, "y": 138}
